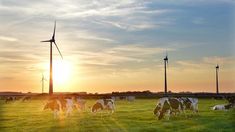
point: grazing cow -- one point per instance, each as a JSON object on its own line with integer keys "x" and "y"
{"x": 9, "y": 99}
{"x": 222, "y": 107}
{"x": 57, "y": 105}
{"x": 54, "y": 105}
{"x": 103, "y": 104}
{"x": 189, "y": 104}
{"x": 166, "y": 106}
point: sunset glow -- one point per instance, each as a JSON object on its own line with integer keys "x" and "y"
{"x": 62, "y": 72}
{"x": 118, "y": 45}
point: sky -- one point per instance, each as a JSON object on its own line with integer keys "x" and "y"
{"x": 117, "y": 45}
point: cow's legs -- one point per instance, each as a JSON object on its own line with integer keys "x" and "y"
{"x": 168, "y": 113}
{"x": 68, "y": 111}
{"x": 56, "y": 114}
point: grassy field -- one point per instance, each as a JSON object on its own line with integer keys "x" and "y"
{"x": 135, "y": 116}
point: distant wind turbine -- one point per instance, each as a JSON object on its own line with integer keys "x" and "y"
{"x": 217, "y": 79}
{"x": 165, "y": 65}
{"x": 52, "y": 40}
{"x": 43, "y": 79}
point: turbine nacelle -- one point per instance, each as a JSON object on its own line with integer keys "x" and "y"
{"x": 166, "y": 59}
{"x": 52, "y": 40}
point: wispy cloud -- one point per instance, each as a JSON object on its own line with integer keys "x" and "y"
{"x": 96, "y": 38}
{"x": 6, "y": 38}
{"x": 206, "y": 63}
{"x": 120, "y": 55}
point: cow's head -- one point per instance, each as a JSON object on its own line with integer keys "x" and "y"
{"x": 52, "y": 105}
{"x": 228, "y": 106}
{"x": 165, "y": 107}
{"x": 157, "y": 110}
{"x": 97, "y": 106}
{"x": 47, "y": 106}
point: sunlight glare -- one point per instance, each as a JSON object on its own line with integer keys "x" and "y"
{"x": 61, "y": 72}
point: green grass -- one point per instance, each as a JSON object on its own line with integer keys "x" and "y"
{"x": 136, "y": 116}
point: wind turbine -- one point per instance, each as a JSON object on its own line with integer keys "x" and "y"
{"x": 165, "y": 65}
{"x": 43, "y": 79}
{"x": 52, "y": 41}
{"x": 217, "y": 79}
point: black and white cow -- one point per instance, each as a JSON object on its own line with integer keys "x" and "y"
{"x": 231, "y": 104}
{"x": 103, "y": 104}
{"x": 167, "y": 106}
{"x": 222, "y": 107}
{"x": 57, "y": 105}
{"x": 54, "y": 105}
{"x": 189, "y": 104}
{"x": 9, "y": 99}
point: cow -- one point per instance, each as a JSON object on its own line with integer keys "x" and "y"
{"x": 9, "y": 99}
{"x": 167, "y": 106}
{"x": 222, "y": 106}
{"x": 189, "y": 104}
{"x": 103, "y": 104}
{"x": 57, "y": 105}
{"x": 54, "y": 105}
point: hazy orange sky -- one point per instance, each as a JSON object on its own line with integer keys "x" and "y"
{"x": 117, "y": 45}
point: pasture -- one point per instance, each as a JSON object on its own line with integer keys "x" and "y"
{"x": 129, "y": 116}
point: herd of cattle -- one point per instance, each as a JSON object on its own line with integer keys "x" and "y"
{"x": 166, "y": 106}
{"x": 67, "y": 105}
{"x": 11, "y": 99}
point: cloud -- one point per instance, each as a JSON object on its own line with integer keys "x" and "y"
{"x": 130, "y": 26}
{"x": 96, "y": 38}
{"x": 218, "y": 60}
{"x": 122, "y": 55}
{"x": 6, "y": 38}
{"x": 137, "y": 50}
{"x": 207, "y": 63}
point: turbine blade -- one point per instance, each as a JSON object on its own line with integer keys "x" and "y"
{"x": 46, "y": 41}
{"x": 53, "y": 36}
{"x": 58, "y": 50}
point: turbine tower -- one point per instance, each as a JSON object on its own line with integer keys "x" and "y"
{"x": 43, "y": 79}
{"x": 52, "y": 41}
{"x": 217, "y": 79}
{"x": 165, "y": 65}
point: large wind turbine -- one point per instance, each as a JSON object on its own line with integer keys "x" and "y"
{"x": 52, "y": 40}
{"x": 217, "y": 79}
{"x": 165, "y": 65}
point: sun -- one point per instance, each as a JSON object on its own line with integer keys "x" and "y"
{"x": 61, "y": 72}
